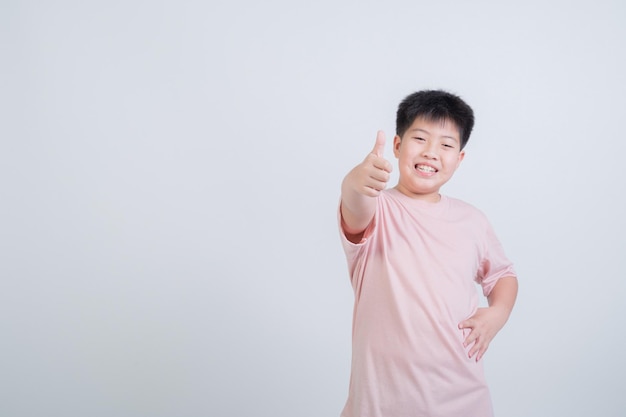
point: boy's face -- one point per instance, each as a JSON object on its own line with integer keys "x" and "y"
{"x": 428, "y": 154}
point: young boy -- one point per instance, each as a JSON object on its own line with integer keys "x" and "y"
{"x": 414, "y": 256}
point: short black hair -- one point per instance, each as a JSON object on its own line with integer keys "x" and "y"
{"x": 435, "y": 105}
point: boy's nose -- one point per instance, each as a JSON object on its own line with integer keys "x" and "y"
{"x": 430, "y": 152}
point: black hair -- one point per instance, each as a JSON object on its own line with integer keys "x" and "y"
{"x": 435, "y": 105}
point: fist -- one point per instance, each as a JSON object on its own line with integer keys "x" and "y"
{"x": 370, "y": 177}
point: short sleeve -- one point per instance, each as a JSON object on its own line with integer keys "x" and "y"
{"x": 356, "y": 252}
{"x": 494, "y": 264}
{"x": 349, "y": 247}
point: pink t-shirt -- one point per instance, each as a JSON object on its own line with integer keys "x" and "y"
{"x": 414, "y": 277}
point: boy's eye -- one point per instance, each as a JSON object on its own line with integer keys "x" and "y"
{"x": 418, "y": 138}
{"x": 448, "y": 146}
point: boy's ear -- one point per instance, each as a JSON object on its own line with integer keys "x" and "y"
{"x": 461, "y": 156}
{"x": 397, "y": 140}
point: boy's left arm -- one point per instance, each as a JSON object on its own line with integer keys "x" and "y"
{"x": 488, "y": 321}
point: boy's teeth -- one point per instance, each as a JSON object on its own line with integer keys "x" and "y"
{"x": 425, "y": 168}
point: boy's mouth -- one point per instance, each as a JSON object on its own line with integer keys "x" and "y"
{"x": 426, "y": 169}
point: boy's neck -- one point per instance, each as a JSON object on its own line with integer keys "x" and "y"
{"x": 434, "y": 197}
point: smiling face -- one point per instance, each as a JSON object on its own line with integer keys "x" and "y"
{"x": 428, "y": 154}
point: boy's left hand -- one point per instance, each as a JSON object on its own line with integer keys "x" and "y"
{"x": 484, "y": 325}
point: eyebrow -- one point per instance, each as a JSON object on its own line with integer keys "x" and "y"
{"x": 417, "y": 129}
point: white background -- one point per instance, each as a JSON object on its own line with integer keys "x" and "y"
{"x": 170, "y": 172}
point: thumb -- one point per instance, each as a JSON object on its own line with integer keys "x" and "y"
{"x": 379, "y": 147}
{"x": 466, "y": 324}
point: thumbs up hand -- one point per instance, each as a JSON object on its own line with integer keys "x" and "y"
{"x": 361, "y": 187}
{"x": 370, "y": 177}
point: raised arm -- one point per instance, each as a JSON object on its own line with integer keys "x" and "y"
{"x": 361, "y": 187}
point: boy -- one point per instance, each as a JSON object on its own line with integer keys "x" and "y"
{"x": 414, "y": 256}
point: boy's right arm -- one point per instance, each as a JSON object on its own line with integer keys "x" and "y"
{"x": 360, "y": 188}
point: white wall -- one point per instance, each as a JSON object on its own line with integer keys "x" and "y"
{"x": 169, "y": 175}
